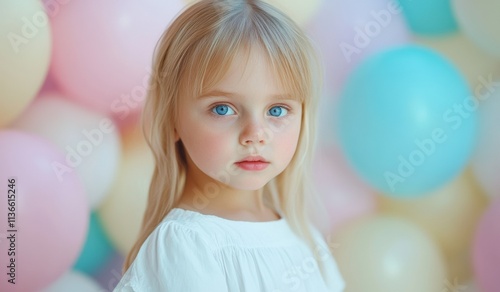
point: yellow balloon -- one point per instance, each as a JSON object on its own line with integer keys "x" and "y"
{"x": 449, "y": 215}
{"x": 299, "y": 10}
{"x": 25, "y": 48}
{"x": 474, "y": 64}
{"x": 124, "y": 207}
{"x": 387, "y": 254}
{"x": 479, "y": 20}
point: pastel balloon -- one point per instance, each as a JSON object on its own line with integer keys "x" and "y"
{"x": 50, "y": 217}
{"x": 470, "y": 60}
{"x": 407, "y": 121}
{"x": 300, "y": 11}
{"x": 386, "y": 254}
{"x": 97, "y": 249}
{"x": 74, "y": 281}
{"x": 90, "y": 141}
{"x": 449, "y": 215}
{"x": 479, "y": 21}
{"x": 123, "y": 209}
{"x": 25, "y": 48}
{"x": 103, "y": 50}
{"x": 429, "y": 17}
{"x": 348, "y": 31}
{"x": 342, "y": 194}
{"x": 486, "y": 254}
{"x": 486, "y": 161}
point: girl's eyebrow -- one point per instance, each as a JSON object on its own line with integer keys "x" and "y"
{"x": 217, "y": 92}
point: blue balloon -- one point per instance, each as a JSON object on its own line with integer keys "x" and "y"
{"x": 407, "y": 121}
{"x": 429, "y": 17}
{"x": 96, "y": 250}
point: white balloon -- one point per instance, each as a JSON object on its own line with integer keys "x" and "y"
{"x": 90, "y": 141}
{"x": 75, "y": 282}
{"x": 486, "y": 159}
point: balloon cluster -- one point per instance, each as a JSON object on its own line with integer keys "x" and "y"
{"x": 406, "y": 163}
{"x": 74, "y": 75}
{"x": 408, "y": 159}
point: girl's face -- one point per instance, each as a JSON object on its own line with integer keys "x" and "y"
{"x": 244, "y": 116}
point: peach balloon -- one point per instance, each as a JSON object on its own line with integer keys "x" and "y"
{"x": 123, "y": 209}
{"x": 450, "y": 215}
{"x": 25, "y": 48}
{"x": 387, "y": 254}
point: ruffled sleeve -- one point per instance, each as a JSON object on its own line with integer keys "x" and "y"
{"x": 174, "y": 258}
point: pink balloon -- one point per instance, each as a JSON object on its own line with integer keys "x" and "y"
{"x": 348, "y": 31}
{"x": 51, "y": 215}
{"x": 48, "y": 86}
{"x": 344, "y": 195}
{"x": 486, "y": 250}
{"x": 103, "y": 50}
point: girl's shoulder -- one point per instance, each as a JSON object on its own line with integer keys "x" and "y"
{"x": 179, "y": 225}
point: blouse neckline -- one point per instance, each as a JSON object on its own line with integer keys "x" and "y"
{"x": 242, "y": 233}
{"x": 229, "y": 221}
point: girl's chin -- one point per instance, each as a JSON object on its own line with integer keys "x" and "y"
{"x": 248, "y": 186}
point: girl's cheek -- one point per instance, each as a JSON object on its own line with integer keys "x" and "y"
{"x": 287, "y": 125}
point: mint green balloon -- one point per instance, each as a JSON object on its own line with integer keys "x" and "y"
{"x": 429, "y": 17}
{"x": 97, "y": 248}
{"x": 407, "y": 121}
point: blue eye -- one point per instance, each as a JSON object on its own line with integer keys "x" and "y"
{"x": 222, "y": 110}
{"x": 278, "y": 111}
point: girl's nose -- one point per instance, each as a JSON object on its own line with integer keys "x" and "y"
{"x": 254, "y": 133}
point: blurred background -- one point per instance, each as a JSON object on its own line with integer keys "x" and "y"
{"x": 408, "y": 159}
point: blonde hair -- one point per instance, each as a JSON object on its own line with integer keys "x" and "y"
{"x": 194, "y": 53}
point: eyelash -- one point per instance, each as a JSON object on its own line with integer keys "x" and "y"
{"x": 211, "y": 110}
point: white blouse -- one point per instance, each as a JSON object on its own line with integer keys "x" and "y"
{"x": 190, "y": 252}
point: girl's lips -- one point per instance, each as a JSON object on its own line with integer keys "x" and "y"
{"x": 253, "y": 159}
{"x": 252, "y": 165}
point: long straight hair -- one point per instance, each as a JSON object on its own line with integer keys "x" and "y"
{"x": 191, "y": 57}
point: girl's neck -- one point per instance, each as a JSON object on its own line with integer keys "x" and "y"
{"x": 221, "y": 201}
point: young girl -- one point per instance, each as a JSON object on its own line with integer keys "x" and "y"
{"x": 230, "y": 118}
